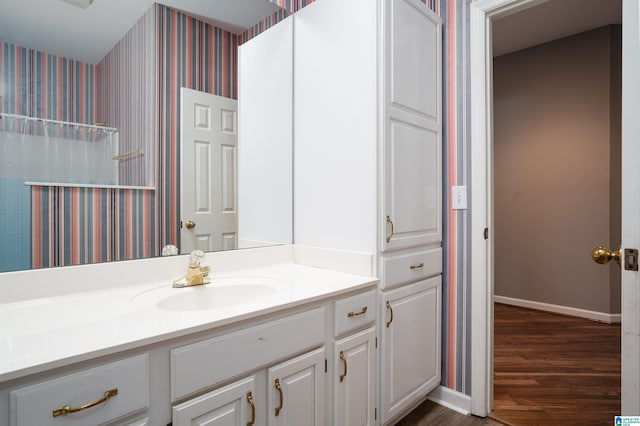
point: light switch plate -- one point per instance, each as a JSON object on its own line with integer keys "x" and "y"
{"x": 459, "y": 197}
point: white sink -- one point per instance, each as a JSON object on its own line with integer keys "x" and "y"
{"x": 211, "y": 296}
{"x": 223, "y": 292}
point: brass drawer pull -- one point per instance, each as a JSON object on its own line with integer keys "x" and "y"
{"x": 418, "y": 266}
{"x": 279, "y": 388}
{"x": 391, "y": 311}
{"x": 344, "y": 361}
{"x": 357, "y": 314}
{"x": 390, "y": 222}
{"x": 253, "y": 409}
{"x": 62, "y": 411}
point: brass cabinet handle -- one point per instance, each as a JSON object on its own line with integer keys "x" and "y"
{"x": 357, "y": 314}
{"x": 190, "y": 224}
{"x": 253, "y": 409}
{"x": 391, "y": 311}
{"x": 279, "y": 388}
{"x": 62, "y": 411}
{"x": 418, "y": 266}
{"x": 344, "y": 361}
{"x": 390, "y": 222}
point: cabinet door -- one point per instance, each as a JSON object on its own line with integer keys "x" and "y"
{"x": 412, "y": 150}
{"x": 354, "y": 379}
{"x": 232, "y": 405}
{"x": 410, "y": 345}
{"x": 296, "y": 391}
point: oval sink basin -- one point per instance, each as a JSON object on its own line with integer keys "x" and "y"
{"x": 222, "y": 292}
{"x": 212, "y": 296}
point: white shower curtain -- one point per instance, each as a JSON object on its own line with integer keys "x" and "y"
{"x": 54, "y": 152}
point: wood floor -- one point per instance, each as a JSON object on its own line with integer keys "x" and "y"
{"x": 431, "y": 414}
{"x": 554, "y": 370}
{"x": 549, "y": 370}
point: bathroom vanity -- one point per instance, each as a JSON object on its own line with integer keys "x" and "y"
{"x": 270, "y": 341}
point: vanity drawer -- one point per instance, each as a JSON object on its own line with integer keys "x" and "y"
{"x": 204, "y": 364}
{"x": 410, "y": 267}
{"x": 35, "y": 404}
{"x": 355, "y": 312}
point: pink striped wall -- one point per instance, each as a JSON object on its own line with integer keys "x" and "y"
{"x": 456, "y": 341}
{"x": 200, "y": 56}
{"x": 182, "y": 42}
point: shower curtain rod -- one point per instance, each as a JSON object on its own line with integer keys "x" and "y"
{"x": 62, "y": 123}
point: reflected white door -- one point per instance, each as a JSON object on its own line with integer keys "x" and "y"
{"x": 630, "y": 205}
{"x": 208, "y": 171}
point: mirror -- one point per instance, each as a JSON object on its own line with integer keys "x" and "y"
{"x": 131, "y": 82}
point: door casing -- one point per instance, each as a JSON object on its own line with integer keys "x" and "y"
{"x": 483, "y": 12}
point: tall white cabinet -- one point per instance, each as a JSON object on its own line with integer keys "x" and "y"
{"x": 368, "y": 169}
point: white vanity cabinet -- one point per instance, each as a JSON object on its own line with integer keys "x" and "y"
{"x": 354, "y": 380}
{"x": 355, "y": 360}
{"x": 293, "y": 394}
{"x": 411, "y": 345}
{"x": 368, "y": 168}
{"x": 296, "y": 391}
{"x": 278, "y": 372}
{"x": 98, "y": 395}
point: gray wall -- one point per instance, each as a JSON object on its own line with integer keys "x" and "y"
{"x": 557, "y": 170}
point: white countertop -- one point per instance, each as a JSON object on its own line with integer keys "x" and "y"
{"x": 42, "y": 333}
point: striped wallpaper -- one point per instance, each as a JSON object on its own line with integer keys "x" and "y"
{"x": 456, "y": 294}
{"x": 37, "y": 84}
{"x": 196, "y": 55}
{"x": 202, "y": 57}
{"x": 42, "y": 85}
{"x": 126, "y": 90}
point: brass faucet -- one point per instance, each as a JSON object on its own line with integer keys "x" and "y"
{"x": 197, "y": 274}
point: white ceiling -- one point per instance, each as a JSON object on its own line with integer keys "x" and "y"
{"x": 59, "y": 28}
{"x": 552, "y": 20}
{"x": 56, "y": 27}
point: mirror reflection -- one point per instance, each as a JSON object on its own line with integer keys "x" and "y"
{"x": 56, "y": 63}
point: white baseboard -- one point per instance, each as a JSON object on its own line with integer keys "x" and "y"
{"x": 559, "y": 309}
{"x": 451, "y": 399}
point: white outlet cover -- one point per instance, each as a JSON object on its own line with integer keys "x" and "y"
{"x": 459, "y": 197}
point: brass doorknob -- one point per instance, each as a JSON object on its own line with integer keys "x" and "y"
{"x": 603, "y": 255}
{"x": 190, "y": 224}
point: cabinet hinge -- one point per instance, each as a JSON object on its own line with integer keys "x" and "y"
{"x": 325, "y": 365}
{"x": 375, "y": 414}
{"x": 486, "y": 233}
{"x": 376, "y": 343}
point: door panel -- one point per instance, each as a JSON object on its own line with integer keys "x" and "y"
{"x": 412, "y": 152}
{"x": 297, "y": 387}
{"x": 630, "y": 205}
{"x": 414, "y": 45}
{"x": 228, "y": 406}
{"x": 411, "y": 344}
{"x": 208, "y": 172}
{"x": 354, "y": 395}
{"x": 414, "y": 173}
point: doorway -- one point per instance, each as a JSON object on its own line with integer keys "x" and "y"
{"x": 482, "y": 18}
{"x": 556, "y": 191}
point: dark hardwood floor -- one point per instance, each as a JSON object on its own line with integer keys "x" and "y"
{"x": 431, "y": 414}
{"x": 552, "y": 369}
{"x": 549, "y": 370}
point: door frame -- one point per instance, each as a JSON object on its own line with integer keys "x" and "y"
{"x": 482, "y": 13}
